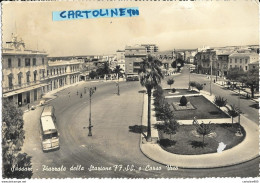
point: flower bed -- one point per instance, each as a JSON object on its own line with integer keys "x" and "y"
{"x": 188, "y": 142}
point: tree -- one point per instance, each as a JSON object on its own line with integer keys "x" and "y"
{"x": 253, "y": 80}
{"x": 106, "y": 69}
{"x": 192, "y": 84}
{"x": 183, "y": 101}
{"x": 118, "y": 71}
{"x": 170, "y": 81}
{"x": 203, "y": 130}
{"x": 233, "y": 112}
{"x": 199, "y": 86}
{"x": 234, "y": 74}
{"x": 12, "y": 141}
{"x": 220, "y": 101}
{"x": 171, "y": 127}
{"x": 150, "y": 76}
{"x": 93, "y": 74}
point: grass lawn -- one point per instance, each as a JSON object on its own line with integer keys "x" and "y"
{"x": 188, "y": 142}
{"x": 178, "y": 92}
{"x": 204, "y": 109}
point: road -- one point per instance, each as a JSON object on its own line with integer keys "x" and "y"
{"x": 112, "y": 143}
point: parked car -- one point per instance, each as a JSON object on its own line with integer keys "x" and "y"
{"x": 132, "y": 78}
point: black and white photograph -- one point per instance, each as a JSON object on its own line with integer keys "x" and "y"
{"x": 130, "y": 89}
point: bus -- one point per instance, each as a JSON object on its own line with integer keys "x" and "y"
{"x": 132, "y": 78}
{"x": 49, "y": 132}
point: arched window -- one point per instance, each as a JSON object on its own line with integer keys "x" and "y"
{"x": 10, "y": 81}
{"x": 28, "y": 74}
{"x": 20, "y": 75}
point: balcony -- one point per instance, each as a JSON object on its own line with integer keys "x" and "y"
{"x": 20, "y": 86}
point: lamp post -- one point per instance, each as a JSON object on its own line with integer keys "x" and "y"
{"x": 91, "y": 92}
{"x": 189, "y": 78}
{"x": 210, "y": 77}
{"x": 239, "y": 105}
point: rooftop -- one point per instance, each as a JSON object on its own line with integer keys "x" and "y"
{"x": 243, "y": 54}
{"x": 62, "y": 62}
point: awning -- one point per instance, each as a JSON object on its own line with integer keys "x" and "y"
{"x": 5, "y": 95}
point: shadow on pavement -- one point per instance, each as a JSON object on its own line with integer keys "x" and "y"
{"x": 142, "y": 91}
{"x": 256, "y": 106}
{"x": 138, "y": 129}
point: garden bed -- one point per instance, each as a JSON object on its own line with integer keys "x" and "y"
{"x": 188, "y": 142}
{"x": 167, "y": 92}
{"x": 204, "y": 109}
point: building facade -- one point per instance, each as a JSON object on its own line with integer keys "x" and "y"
{"x": 24, "y": 72}
{"x": 134, "y": 55}
{"x": 203, "y": 61}
{"x": 241, "y": 60}
{"x": 151, "y": 48}
{"x": 120, "y": 56}
{"x": 222, "y": 64}
{"x": 61, "y": 73}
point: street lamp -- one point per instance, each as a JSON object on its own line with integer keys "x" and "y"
{"x": 189, "y": 78}
{"x": 91, "y": 92}
{"x": 210, "y": 77}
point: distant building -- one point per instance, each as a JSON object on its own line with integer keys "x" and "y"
{"x": 61, "y": 73}
{"x": 151, "y": 48}
{"x": 120, "y": 56}
{"x": 24, "y": 72}
{"x": 204, "y": 59}
{"x": 222, "y": 64}
{"x": 134, "y": 55}
{"x": 241, "y": 60}
{"x": 253, "y": 65}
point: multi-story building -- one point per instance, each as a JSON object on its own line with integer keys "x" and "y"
{"x": 24, "y": 72}
{"x": 120, "y": 56}
{"x": 134, "y": 55}
{"x": 241, "y": 60}
{"x": 204, "y": 59}
{"x": 222, "y": 64}
{"x": 61, "y": 73}
{"x": 150, "y": 48}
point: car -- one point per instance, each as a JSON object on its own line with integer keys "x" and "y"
{"x": 132, "y": 78}
{"x": 33, "y": 107}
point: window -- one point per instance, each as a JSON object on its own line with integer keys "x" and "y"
{"x": 47, "y": 72}
{"x": 19, "y": 79}
{"x": 240, "y": 61}
{"x": 235, "y": 60}
{"x": 19, "y": 62}
{"x": 28, "y": 77}
{"x": 42, "y": 61}
{"x": 230, "y": 66}
{"x": 235, "y": 66}
{"x": 34, "y": 61}
{"x": 54, "y": 71}
{"x": 246, "y": 61}
{"x": 34, "y": 76}
{"x": 246, "y": 68}
{"x": 230, "y": 60}
{"x": 10, "y": 81}
{"x": 9, "y": 62}
{"x": 27, "y": 62}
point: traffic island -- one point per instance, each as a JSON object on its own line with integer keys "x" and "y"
{"x": 244, "y": 148}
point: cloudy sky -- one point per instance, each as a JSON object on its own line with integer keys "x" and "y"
{"x": 168, "y": 24}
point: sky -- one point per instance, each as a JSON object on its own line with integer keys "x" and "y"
{"x": 170, "y": 25}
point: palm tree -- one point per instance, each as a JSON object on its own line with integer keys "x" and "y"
{"x": 106, "y": 70}
{"x": 150, "y": 77}
{"x": 117, "y": 71}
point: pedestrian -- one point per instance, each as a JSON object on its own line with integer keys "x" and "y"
{"x": 28, "y": 106}
{"x": 80, "y": 95}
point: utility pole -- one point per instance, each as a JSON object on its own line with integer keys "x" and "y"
{"x": 210, "y": 77}
{"x": 189, "y": 78}
{"x": 239, "y": 105}
{"x": 91, "y": 92}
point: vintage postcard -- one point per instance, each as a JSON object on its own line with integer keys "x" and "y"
{"x": 130, "y": 89}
